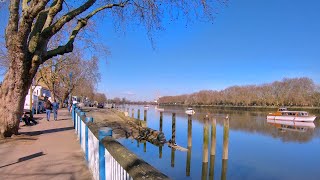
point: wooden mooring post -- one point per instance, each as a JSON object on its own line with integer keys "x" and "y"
{"x": 188, "y": 166}
{"x": 173, "y": 137}
{"x": 205, "y": 149}
{"x": 212, "y": 148}
{"x": 225, "y": 138}
{"x": 132, "y": 113}
{"x": 145, "y": 115}
{"x": 173, "y": 151}
{"x": 145, "y": 147}
{"x": 160, "y": 152}
{"x": 138, "y": 114}
{"x": 161, "y": 121}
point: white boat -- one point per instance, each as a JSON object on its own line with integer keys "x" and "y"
{"x": 159, "y": 109}
{"x": 146, "y": 107}
{"x": 190, "y": 111}
{"x": 285, "y": 115}
{"x": 292, "y": 125}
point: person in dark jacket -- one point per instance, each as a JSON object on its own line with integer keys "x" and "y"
{"x": 48, "y": 107}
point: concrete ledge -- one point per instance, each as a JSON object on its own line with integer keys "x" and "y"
{"x": 134, "y": 166}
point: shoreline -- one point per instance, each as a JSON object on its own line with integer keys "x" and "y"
{"x": 246, "y": 108}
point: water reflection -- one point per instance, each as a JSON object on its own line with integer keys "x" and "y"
{"x": 284, "y": 126}
{"x": 193, "y": 134}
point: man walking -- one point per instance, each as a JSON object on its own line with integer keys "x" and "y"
{"x": 48, "y": 107}
{"x": 55, "y": 107}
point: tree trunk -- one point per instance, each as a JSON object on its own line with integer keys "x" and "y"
{"x": 14, "y": 89}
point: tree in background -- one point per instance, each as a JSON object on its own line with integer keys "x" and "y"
{"x": 288, "y": 92}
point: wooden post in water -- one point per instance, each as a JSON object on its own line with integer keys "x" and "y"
{"x": 161, "y": 120}
{"x": 205, "y": 150}
{"x": 145, "y": 115}
{"x": 224, "y": 169}
{"x": 132, "y": 113}
{"x": 173, "y": 151}
{"x": 173, "y": 138}
{"x": 225, "y": 138}
{"x": 128, "y": 111}
{"x": 138, "y": 114}
{"x": 188, "y": 167}
{"x": 138, "y": 143}
{"x": 145, "y": 147}
{"x": 160, "y": 152}
{"x": 212, "y": 149}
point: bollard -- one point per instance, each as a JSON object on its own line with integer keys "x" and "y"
{"x": 138, "y": 114}
{"x": 82, "y": 115}
{"x": 225, "y": 138}
{"x": 173, "y": 138}
{"x": 145, "y": 115}
{"x": 88, "y": 119}
{"x": 161, "y": 120}
{"x": 103, "y": 132}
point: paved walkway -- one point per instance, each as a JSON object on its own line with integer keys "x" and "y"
{"x": 48, "y": 150}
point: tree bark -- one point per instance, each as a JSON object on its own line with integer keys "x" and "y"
{"x": 13, "y": 91}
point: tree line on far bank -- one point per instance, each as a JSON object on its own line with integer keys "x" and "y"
{"x": 288, "y": 92}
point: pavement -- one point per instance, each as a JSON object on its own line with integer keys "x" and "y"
{"x": 48, "y": 150}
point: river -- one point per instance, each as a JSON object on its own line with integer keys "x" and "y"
{"x": 257, "y": 149}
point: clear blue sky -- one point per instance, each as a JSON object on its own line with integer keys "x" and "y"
{"x": 250, "y": 42}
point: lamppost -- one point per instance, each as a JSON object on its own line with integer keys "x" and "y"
{"x": 70, "y": 96}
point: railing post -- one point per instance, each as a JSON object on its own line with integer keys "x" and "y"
{"x": 88, "y": 119}
{"x": 82, "y": 115}
{"x": 103, "y": 132}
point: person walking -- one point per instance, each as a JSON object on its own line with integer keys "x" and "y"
{"x": 55, "y": 107}
{"x": 48, "y": 107}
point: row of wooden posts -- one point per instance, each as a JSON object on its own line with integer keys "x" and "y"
{"x": 205, "y": 151}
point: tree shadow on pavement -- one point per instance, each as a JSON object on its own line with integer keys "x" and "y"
{"x": 35, "y": 133}
{"x": 25, "y": 158}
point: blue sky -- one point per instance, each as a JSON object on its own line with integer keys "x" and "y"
{"x": 250, "y": 42}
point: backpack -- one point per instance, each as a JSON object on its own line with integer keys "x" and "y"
{"x": 47, "y": 105}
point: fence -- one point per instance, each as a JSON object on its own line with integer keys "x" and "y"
{"x": 106, "y": 158}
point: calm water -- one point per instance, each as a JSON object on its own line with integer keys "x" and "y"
{"x": 257, "y": 149}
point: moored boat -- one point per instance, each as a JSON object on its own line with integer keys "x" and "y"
{"x": 159, "y": 109}
{"x": 292, "y": 125}
{"x": 190, "y": 111}
{"x": 285, "y": 115}
{"x": 146, "y": 107}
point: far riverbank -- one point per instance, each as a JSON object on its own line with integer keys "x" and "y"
{"x": 249, "y": 108}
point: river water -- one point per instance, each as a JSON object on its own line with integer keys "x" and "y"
{"x": 257, "y": 149}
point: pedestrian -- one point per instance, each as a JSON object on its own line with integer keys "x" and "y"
{"x": 55, "y": 107}
{"x": 48, "y": 107}
{"x": 26, "y": 119}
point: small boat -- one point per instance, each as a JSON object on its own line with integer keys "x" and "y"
{"x": 285, "y": 115}
{"x": 190, "y": 111}
{"x": 159, "y": 109}
{"x": 146, "y": 107}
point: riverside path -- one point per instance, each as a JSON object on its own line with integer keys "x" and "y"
{"x": 48, "y": 150}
